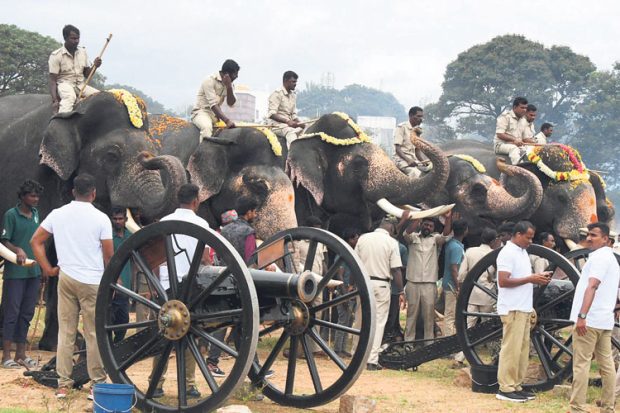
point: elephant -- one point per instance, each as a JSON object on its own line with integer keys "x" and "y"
{"x": 236, "y": 162}
{"x": 338, "y": 174}
{"x": 566, "y": 206}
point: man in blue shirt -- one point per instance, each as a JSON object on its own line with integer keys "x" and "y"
{"x": 454, "y": 253}
{"x": 120, "y": 303}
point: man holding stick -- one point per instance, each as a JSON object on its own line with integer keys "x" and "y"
{"x": 68, "y": 68}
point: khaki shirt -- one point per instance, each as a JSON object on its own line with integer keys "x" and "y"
{"x": 508, "y": 123}
{"x": 487, "y": 279}
{"x": 379, "y": 252}
{"x": 283, "y": 103}
{"x": 539, "y": 264}
{"x": 540, "y": 138}
{"x": 422, "y": 264}
{"x": 528, "y": 129}
{"x": 212, "y": 92}
{"x": 402, "y": 137}
{"x": 301, "y": 252}
{"x": 69, "y": 68}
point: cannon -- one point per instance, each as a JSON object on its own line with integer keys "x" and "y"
{"x": 267, "y": 311}
{"x": 478, "y": 334}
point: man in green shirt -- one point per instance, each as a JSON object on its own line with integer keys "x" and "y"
{"x": 120, "y": 303}
{"x": 21, "y": 283}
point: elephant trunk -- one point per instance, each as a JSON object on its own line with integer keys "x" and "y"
{"x": 503, "y": 205}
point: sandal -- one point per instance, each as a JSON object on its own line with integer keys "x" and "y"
{"x": 28, "y": 362}
{"x": 10, "y": 364}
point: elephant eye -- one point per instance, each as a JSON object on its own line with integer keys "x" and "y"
{"x": 112, "y": 156}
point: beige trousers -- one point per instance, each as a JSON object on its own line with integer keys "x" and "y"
{"x": 513, "y": 151}
{"x": 75, "y": 297}
{"x": 203, "y": 121}
{"x": 68, "y": 92}
{"x": 420, "y": 298}
{"x": 449, "y": 328}
{"x": 597, "y": 343}
{"x": 383, "y": 295}
{"x": 190, "y": 370}
{"x": 471, "y": 321}
{"x": 289, "y": 133}
{"x": 404, "y": 167}
{"x": 515, "y": 351}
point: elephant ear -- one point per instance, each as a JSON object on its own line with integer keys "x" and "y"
{"x": 208, "y": 168}
{"x": 306, "y": 166}
{"x": 61, "y": 145}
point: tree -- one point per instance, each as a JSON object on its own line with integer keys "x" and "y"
{"x": 152, "y": 105}
{"x": 355, "y": 100}
{"x": 483, "y": 81}
{"x": 23, "y": 60}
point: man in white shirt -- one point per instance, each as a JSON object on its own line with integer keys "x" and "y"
{"x": 83, "y": 240}
{"x": 593, "y": 314}
{"x": 546, "y": 130}
{"x": 515, "y": 289}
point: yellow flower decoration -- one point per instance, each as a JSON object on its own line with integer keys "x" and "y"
{"x": 473, "y": 161}
{"x": 360, "y": 138}
{"x": 131, "y": 103}
{"x": 271, "y": 137}
{"x": 572, "y": 175}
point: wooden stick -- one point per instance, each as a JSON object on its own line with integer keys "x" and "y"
{"x": 93, "y": 69}
{"x": 36, "y": 321}
{"x": 249, "y": 126}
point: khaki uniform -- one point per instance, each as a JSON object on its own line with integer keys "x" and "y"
{"x": 540, "y": 138}
{"x": 528, "y": 130}
{"x": 402, "y": 137}
{"x": 284, "y": 103}
{"x": 508, "y": 123}
{"x": 539, "y": 264}
{"x": 70, "y": 71}
{"x": 421, "y": 288}
{"x": 380, "y": 254}
{"x": 212, "y": 92}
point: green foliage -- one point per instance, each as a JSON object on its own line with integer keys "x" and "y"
{"x": 355, "y": 100}
{"x": 23, "y": 60}
{"x": 483, "y": 81}
{"x": 152, "y": 105}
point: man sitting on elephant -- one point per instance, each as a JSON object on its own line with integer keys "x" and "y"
{"x": 283, "y": 109}
{"x": 68, "y": 66}
{"x": 407, "y": 157}
{"x": 509, "y": 137}
{"x": 211, "y": 95}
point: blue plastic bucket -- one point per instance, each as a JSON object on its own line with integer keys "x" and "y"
{"x": 113, "y": 398}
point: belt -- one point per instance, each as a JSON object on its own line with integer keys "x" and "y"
{"x": 386, "y": 280}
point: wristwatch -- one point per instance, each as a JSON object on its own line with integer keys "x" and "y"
{"x": 582, "y": 315}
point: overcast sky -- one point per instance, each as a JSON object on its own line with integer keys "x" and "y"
{"x": 166, "y": 48}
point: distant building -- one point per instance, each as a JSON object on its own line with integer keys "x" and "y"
{"x": 245, "y": 107}
{"x": 380, "y": 129}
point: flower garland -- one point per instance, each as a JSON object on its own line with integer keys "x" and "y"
{"x": 578, "y": 173}
{"x": 360, "y": 138}
{"x": 271, "y": 137}
{"x": 131, "y": 103}
{"x": 473, "y": 161}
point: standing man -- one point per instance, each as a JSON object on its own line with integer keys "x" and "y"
{"x": 83, "y": 240}
{"x": 379, "y": 253}
{"x": 120, "y": 303}
{"x": 454, "y": 253}
{"x": 283, "y": 109}
{"x": 593, "y": 314}
{"x": 509, "y": 138}
{"x": 68, "y": 69}
{"x": 540, "y": 264}
{"x": 211, "y": 94}
{"x": 422, "y": 274}
{"x": 515, "y": 289}
{"x": 407, "y": 157}
{"x": 240, "y": 232}
{"x": 21, "y": 284}
{"x": 546, "y": 130}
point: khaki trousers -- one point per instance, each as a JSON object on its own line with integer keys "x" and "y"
{"x": 471, "y": 321}
{"x": 383, "y": 295}
{"x": 515, "y": 351}
{"x": 75, "y": 297}
{"x": 204, "y": 121}
{"x": 420, "y": 298}
{"x": 190, "y": 370}
{"x": 67, "y": 92}
{"x": 404, "y": 167}
{"x": 289, "y": 133}
{"x": 513, "y": 151}
{"x": 595, "y": 342}
{"x": 143, "y": 313}
{"x": 449, "y": 328}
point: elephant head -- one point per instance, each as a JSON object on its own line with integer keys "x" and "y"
{"x": 345, "y": 174}
{"x": 247, "y": 165}
{"x": 99, "y": 138}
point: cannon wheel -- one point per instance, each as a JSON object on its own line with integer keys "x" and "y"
{"x": 283, "y": 387}
{"x": 550, "y": 336}
{"x": 139, "y": 248}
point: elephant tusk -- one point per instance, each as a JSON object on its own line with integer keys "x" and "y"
{"x": 572, "y": 245}
{"x": 392, "y": 209}
{"x": 131, "y": 224}
{"x": 10, "y": 256}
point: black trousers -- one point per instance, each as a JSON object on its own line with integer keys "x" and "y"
{"x": 19, "y": 303}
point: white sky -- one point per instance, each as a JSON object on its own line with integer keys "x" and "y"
{"x": 166, "y": 48}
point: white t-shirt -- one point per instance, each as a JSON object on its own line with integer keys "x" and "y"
{"x": 78, "y": 230}
{"x": 514, "y": 259}
{"x": 187, "y": 245}
{"x": 603, "y": 266}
